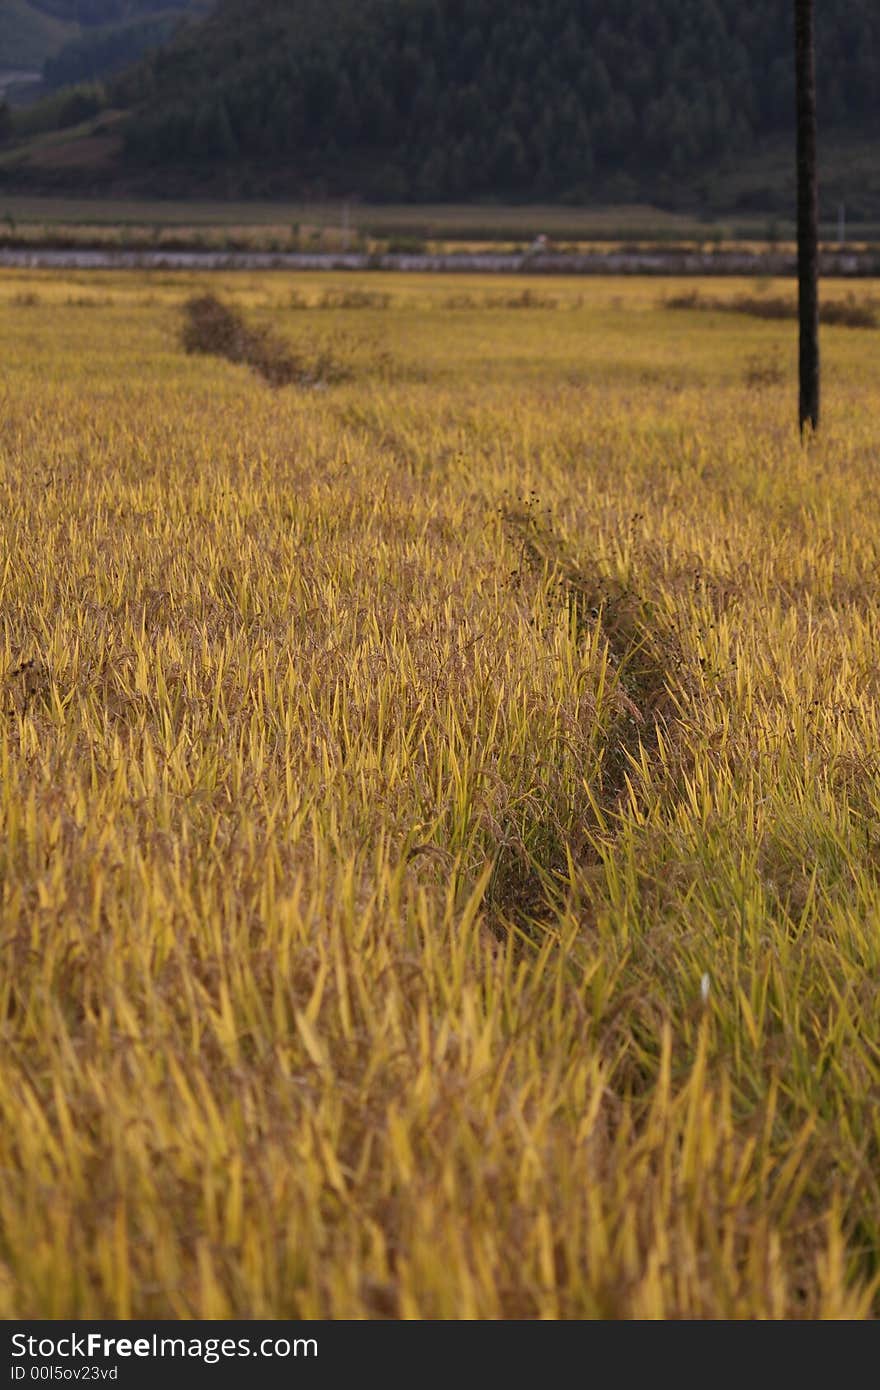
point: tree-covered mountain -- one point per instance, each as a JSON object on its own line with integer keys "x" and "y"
{"x": 72, "y": 40}
{"x": 29, "y": 34}
{"x": 97, "y": 12}
{"x": 101, "y": 50}
{"x": 587, "y": 100}
{"x": 462, "y": 98}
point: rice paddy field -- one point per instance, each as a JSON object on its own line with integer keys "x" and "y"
{"x": 439, "y": 805}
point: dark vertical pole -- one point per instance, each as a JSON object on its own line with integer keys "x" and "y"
{"x": 808, "y": 214}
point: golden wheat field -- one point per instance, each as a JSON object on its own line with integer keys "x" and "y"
{"x": 439, "y": 806}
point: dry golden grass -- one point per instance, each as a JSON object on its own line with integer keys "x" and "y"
{"x": 439, "y": 813}
{"x": 851, "y": 311}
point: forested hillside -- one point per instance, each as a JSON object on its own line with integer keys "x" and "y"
{"x": 461, "y": 98}
{"x": 28, "y": 34}
{"x": 75, "y": 39}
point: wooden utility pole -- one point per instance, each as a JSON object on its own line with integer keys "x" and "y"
{"x": 807, "y": 214}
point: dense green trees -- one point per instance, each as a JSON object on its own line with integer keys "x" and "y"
{"x": 447, "y": 98}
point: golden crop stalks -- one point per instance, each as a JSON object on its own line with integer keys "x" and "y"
{"x": 439, "y": 812}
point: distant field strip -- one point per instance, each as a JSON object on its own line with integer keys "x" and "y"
{"x": 621, "y": 261}
{"x": 439, "y": 803}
